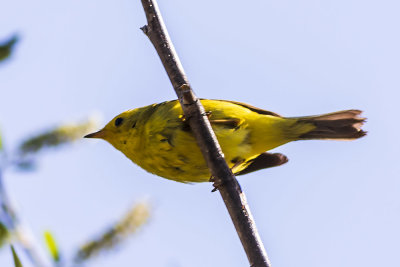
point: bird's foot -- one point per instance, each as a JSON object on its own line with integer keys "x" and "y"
{"x": 208, "y": 114}
{"x": 182, "y": 118}
{"x": 216, "y": 183}
{"x": 185, "y": 119}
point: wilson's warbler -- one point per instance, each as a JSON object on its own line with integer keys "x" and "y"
{"x": 158, "y": 139}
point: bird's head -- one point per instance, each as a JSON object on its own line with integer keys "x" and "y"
{"x": 120, "y": 130}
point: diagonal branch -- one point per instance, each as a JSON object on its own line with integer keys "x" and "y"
{"x": 224, "y": 180}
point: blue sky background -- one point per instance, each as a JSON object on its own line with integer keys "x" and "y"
{"x": 333, "y": 204}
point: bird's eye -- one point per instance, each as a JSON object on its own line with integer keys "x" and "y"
{"x": 118, "y": 121}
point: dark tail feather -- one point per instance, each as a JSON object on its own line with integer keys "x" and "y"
{"x": 344, "y": 125}
{"x": 263, "y": 161}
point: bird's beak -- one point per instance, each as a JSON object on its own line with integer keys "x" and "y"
{"x": 99, "y": 134}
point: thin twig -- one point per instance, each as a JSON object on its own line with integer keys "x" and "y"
{"x": 224, "y": 180}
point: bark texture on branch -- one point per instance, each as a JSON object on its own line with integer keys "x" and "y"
{"x": 224, "y": 180}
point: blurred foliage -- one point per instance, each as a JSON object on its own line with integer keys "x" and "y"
{"x": 7, "y": 46}
{"x": 25, "y": 164}
{"x": 58, "y": 136}
{"x": 129, "y": 224}
{"x": 1, "y": 143}
{"x": 52, "y": 246}
{"x": 4, "y": 234}
{"x": 17, "y": 261}
{"x": 24, "y": 158}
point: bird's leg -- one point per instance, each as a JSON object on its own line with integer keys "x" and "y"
{"x": 183, "y": 118}
{"x": 218, "y": 182}
{"x": 186, "y": 119}
{"x": 208, "y": 114}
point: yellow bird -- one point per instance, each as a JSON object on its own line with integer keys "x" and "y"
{"x": 158, "y": 139}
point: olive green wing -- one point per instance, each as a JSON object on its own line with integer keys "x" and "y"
{"x": 252, "y": 108}
{"x": 263, "y": 161}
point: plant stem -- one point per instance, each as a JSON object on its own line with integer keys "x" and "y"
{"x": 21, "y": 230}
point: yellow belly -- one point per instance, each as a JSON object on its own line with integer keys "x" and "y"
{"x": 184, "y": 162}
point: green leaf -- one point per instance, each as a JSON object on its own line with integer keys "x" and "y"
{"x": 7, "y": 47}
{"x": 4, "y": 234}
{"x": 17, "y": 261}
{"x": 130, "y": 223}
{"x": 52, "y": 246}
{"x": 63, "y": 134}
